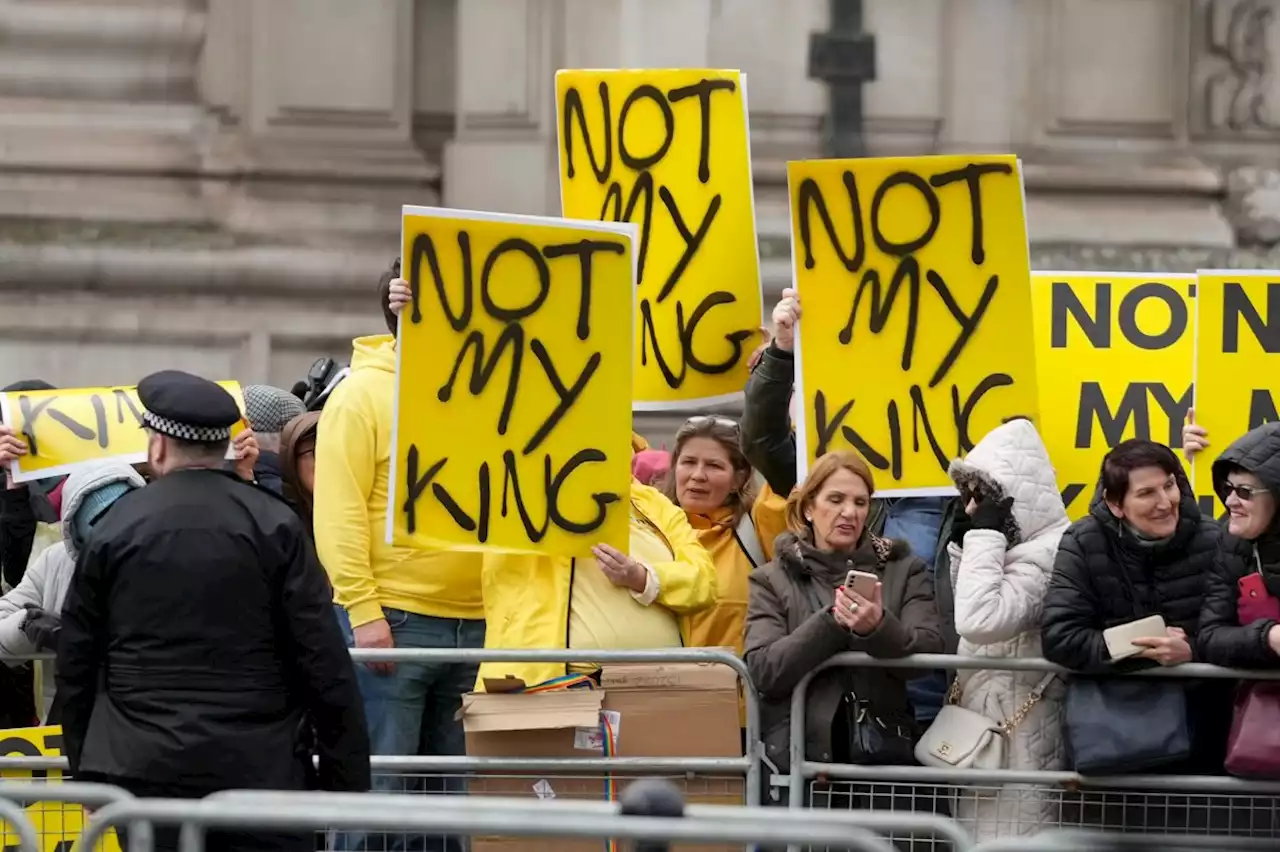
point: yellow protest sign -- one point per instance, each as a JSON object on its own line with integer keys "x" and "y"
{"x": 915, "y": 340}
{"x": 58, "y": 825}
{"x": 513, "y": 384}
{"x": 1237, "y": 363}
{"x": 668, "y": 150}
{"x": 66, "y": 428}
{"x": 1114, "y": 353}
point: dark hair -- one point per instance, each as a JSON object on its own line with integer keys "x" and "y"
{"x": 1128, "y": 456}
{"x": 384, "y": 295}
{"x": 725, "y": 433}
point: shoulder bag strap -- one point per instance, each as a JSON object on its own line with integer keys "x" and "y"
{"x": 749, "y": 541}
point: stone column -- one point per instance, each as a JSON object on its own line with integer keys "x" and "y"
{"x": 314, "y": 105}
{"x": 503, "y": 156}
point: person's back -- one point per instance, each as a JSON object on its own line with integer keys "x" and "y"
{"x": 198, "y": 688}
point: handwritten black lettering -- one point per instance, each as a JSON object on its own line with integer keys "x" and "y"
{"x": 968, "y": 322}
{"x": 584, "y": 250}
{"x": 567, "y": 395}
{"x": 100, "y": 414}
{"x": 810, "y": 200}
{"x": 573, "y": 107}
{"x": 636, "y": 202}
{"x": 702, "y": 90}
{"x": 692, "y": 241}
{"x": 512, "y": 338}
{"x": 962, "y": 411}
{"x": 655, "y": 95}
{"x": 931, "y": 201}
{"x": 29, "y": 414}
{"x": 123, "y": 401}
{"x": 827, "y": 428}
{"x": 920, "y": 418}
{"x": 542, "y": 273}
{"x": 540, "y": 268}
{"x": 1237, "y": 305}
{"x": 685, "y": 331}
{"x": 972, "y": 175}
{"x": 424, "y": 246}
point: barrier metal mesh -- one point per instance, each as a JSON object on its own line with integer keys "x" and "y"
{"x": 990, "y": 812}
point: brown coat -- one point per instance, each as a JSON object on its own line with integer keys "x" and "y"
{"x": 786, "y": 638}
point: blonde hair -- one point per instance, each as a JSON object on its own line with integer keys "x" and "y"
{"x": 805, "y": 493}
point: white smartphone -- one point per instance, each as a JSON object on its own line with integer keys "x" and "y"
{"x": 1120, "y": 638}
{"x": 862, "y": 582}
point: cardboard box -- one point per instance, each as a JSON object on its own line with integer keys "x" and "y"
{"x": 653, "y": 710}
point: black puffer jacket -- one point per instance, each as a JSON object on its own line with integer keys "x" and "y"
{"x": 1222, "y": 640}
{"x": 1102, "y": 577}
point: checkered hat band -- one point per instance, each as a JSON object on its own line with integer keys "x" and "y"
{"x": 185, "y": 432}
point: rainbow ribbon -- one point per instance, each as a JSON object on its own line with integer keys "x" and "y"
{"x": 606, "y": 730}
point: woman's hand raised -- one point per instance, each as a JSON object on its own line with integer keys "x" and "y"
{"x": 856, "y": 613}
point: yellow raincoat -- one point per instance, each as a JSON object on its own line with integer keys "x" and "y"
{"x": 527, "y": 598}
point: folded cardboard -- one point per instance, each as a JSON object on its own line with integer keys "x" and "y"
{"x": 650, "y": 710}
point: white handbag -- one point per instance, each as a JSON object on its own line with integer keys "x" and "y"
{"x": 963, "y": 739}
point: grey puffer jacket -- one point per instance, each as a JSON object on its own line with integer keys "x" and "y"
{"x": 49, "y": 575}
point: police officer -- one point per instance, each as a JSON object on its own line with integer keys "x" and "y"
{"x": 199, "y": 649}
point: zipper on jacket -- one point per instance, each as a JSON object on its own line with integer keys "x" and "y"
{"x": 568, "y": 615}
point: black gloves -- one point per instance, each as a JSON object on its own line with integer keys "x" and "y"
{"x": 960, "y": 524}
{"x": 41, "y": 628}
{"x": 992, "y": 514}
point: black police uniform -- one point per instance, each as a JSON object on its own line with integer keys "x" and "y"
{"x": 199, "y": 647}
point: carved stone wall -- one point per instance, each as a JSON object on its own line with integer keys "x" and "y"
{"x": 215, "y": 184}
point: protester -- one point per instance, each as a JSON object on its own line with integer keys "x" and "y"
{"x": 392, "y": 596}
{"x": 651, "y": 467}
{"x": 201, "y": 596}
{"x": 801, "y": 614}
{"x": 298, "y": 464}
{"x": 1001, "y": 561}
{"x": 713, "y": 482}
{"x": 28, "y": 525}
{"x": 1246, "y": 477}
{"x": 28, "y": 513}
{"x": 1143, "y": 550}
{"x": 268, "y": 409}
{"x": 769, "y": 444}
{"x": 30, "y": 613}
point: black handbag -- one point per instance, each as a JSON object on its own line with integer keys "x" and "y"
{"x": 876, "y": 740}
{"x": 1115, "y": 726}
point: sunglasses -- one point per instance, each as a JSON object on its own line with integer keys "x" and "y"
{"x": 1244, "y": 492}
{"x": 703, "y": 419}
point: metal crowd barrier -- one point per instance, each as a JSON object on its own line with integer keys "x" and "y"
{"x": 11, "y": 812}
{"x": 929, "y": 788}
{"x": 721, "y": 824}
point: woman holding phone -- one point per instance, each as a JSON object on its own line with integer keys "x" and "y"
{"x": 805, "y": 608}
{"x": 1001, "y": 561}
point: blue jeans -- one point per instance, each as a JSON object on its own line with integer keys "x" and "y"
{"x": 918, "y": 521}
{"x": 414, "y": 711}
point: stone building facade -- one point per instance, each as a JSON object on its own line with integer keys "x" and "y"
{"x": 215, "y": 184}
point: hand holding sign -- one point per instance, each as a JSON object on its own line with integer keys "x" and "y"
{"x": 621, "y": 569}
{"x": 785, "y": 316}
{"x": 11, "y": 446}
{"x": 1195, "y": 438}
{"x": 399, "y": 295}
{"x": 245, "y": 448}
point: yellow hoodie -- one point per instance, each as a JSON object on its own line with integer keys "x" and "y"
{"x": 353, "y": 457}
{"x": 528, "y": 598}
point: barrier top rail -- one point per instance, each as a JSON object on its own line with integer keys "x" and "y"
{"x": 1101, "y": 841}
{"x": 505, "y": 817}
{"x": 801, "y": 768}
{"x": 881, "y": 821}
{"x": 11, "y": 812}
{"x": 75, "y": 792}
